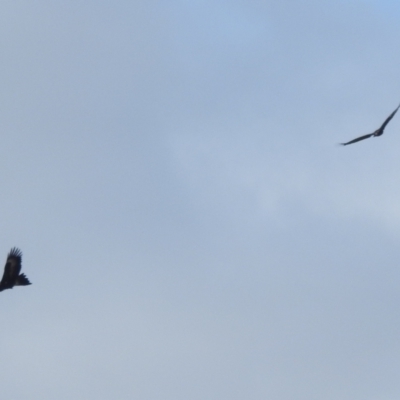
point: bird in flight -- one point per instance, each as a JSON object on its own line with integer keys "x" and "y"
{"x": 378, "y": 132}
{"x": 12, "y": 269}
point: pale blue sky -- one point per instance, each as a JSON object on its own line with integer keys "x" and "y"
{"x": 171, "y": 173}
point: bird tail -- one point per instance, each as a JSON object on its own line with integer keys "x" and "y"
{"x": 22, "y": 280}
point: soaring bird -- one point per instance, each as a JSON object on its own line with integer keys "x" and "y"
{"x": 12, "y": 269}
{"x": 378, "y": 132}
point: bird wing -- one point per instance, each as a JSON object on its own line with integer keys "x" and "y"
{"x": 357, "y": 139}
{"x": 12, "y": 267}
{"x": 387, "y": 120}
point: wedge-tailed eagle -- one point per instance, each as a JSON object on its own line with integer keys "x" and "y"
{"x": 12, "y": 269}
{"x": 378, "y": 132}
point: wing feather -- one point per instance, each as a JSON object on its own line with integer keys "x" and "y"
{"x": 11, "y": 269}
{"x": 13, "y": 264}
{"x": 357, "y": 139}
{"x": 387, "y": 120}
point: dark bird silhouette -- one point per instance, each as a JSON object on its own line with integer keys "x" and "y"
{"x": 12, "y": 269}
{"x": 378, "y": 132}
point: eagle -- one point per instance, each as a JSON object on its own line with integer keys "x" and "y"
{"x": 378, "y": 132}
{"x": 12, "y": 269}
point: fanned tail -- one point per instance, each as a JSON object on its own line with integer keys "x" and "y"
{"x": 22, "y": 280}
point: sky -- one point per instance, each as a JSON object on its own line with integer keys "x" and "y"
{"x": 190, "y": 226}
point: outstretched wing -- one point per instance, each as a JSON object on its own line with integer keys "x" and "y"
{"x": 387, "y": 120}
{"x": 11, "y": 269}
{"x": 357, "y": 139}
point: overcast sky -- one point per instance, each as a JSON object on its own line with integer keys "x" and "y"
{"x": 192, "y": 230}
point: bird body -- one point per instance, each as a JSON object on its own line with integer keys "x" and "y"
{"x": 378, "y": 132}
{"x": 12, "y": 269}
